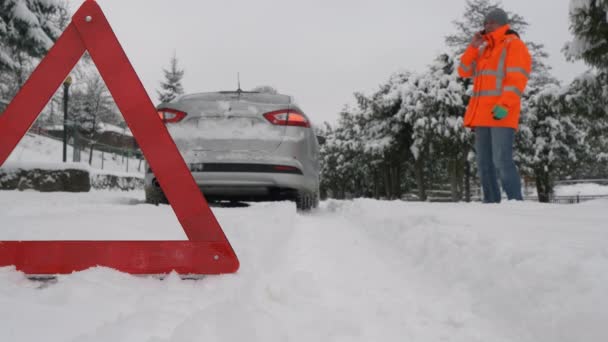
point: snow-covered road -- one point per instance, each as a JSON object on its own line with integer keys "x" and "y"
{"x": 359, "y": 270}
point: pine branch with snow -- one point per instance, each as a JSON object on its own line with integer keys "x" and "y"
{"x": 589, "y": 25}
{"x": 28, "y": 28}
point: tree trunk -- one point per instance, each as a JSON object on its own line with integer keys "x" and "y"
{"x": 76, "y": 146}
{"x": 374, "y": 183}
{"x": 91, "y": 154}
{"x": 467, "y": 181}
{"x": 453, "y": 175}
{"x": 387, "y": 182}
{"x": 361, "y": 186}
{"x": 544, "y": 184}
{"x": 397, "y": 182}
{"x": 420, "y": 181}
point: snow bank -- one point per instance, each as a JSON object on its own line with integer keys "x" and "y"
{"x": 583, "y": 189}
{"x": 106, "y": 127}
{"x": 44, "y": 166}
{"x": 353, "y": 271}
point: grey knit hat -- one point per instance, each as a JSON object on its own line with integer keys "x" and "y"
{"x": 498, "y": 16}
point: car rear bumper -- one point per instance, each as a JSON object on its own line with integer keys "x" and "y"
{"x": 249, "y": 184}
{"x": 250, "y": 179}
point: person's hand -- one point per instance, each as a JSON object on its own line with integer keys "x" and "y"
{"x": 477, "y": 40}
{"x": 499, "y": 112}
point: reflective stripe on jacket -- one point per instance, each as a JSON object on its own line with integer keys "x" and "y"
{"x": 500, "y": 72}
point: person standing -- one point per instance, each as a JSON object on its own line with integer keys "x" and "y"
{"x": 500, "y": 64}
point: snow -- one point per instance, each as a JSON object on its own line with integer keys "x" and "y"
{"x": 23, "y": 13}
{"x": 36, "y": 151}
{"x": 583, "y": 189}
{"x": 35, "y": 31}
{"x": 106, "y": 127}
{"x": 5, "y": 58}
{"x": 360, "y": 270}
{"x": 45, "y": 166}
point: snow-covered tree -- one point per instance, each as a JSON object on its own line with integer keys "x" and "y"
{"x": 28, "y": 28}
{"x": 90, "y": 100}
{"x": 92, "y": 105}
{"x": 386, "y": 140}
{"x": 589, "y": 24}
{"x": 588, "y": 93}
{"x": 588, "y": 97}
{"x": 553, "y": 139}
{"x": 340, "y": 157}
{"x": 171, "y": 87}
{"x": 431, "y": 105}
{"x": 452, "y": 142}
{"x": 472, "y": 22}
{"x": 365, "y": 154}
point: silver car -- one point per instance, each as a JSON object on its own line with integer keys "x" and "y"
{"x": 243, "y": 146}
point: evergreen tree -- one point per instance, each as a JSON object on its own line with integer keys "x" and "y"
{"x": 551, "y": 139}
{"x": 28, "y": 29}
{"x": 589, "y": 24}
{"x": 588, "y": 93}
{"x": 431, "y": 105}
{"x": 171, "y": 87}
{"x": 556, "y": 136}
{"x": 386, "y": 141}
{"x": 340, "y": 156}
{"x": 452, "y": 141}
{"x": 472, "y": 22}
{"x": 588, "y": 97}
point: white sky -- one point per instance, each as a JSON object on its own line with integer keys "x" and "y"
{"x": 318, "y": 51}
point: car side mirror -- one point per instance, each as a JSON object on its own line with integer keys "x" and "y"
{"x": 321, "y": 140}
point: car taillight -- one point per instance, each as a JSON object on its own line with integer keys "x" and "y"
{"x": 285, "y": 168}
{"x": 287, "y": 118}
{"x": 168, "y": 115}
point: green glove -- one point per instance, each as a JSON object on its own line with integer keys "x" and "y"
{"x": 499, "y": 112}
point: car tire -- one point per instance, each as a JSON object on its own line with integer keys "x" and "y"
{"x": 155, "y": 196}
{"x": 306, "y": 201}
{"x": 316, "y": 200}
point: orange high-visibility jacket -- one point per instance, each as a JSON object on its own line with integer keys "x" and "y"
{"x": 500, "y": 70}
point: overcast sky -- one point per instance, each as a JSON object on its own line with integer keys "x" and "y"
{"x": 319, "y": 51}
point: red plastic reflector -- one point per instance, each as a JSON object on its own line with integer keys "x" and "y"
{"x": 168, "y": 115}
{"x": 207, "y": 250}
{"x": 286, "y": 117}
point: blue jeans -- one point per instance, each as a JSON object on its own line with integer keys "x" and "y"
{"x": 494, "y": 147}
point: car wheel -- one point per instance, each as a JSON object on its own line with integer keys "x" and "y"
{"x": 155, "y": 196}
{"x": 306, "y": 201}
{"x": 316, "y": 200}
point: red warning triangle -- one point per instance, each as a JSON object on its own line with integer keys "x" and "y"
{"x": 207, "y": 250}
